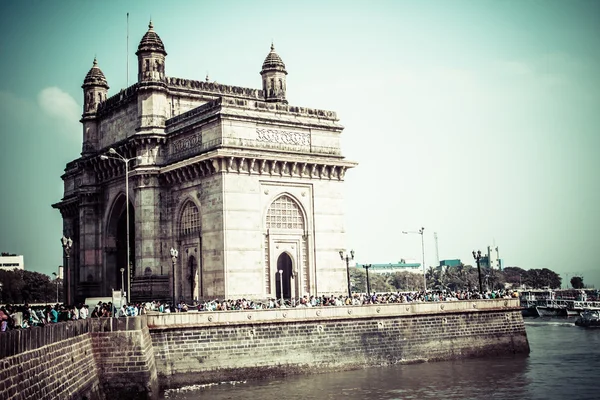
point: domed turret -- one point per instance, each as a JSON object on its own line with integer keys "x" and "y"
{"x": 95, "y": 77}
{"x": 151, "y": 57}
{"x": 95, "y": 88}
{"x": 273, "y": 76}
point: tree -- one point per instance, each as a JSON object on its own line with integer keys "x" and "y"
{"x": 514, "y": 275}
{"x": 405, "y": 281}
{"x": 577, "y": 282}
{"x": 21, "y": 286}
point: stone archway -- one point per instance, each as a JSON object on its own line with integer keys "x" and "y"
{"x": 116, "y": 246}
{"x": 190, "y": 242}
{"x": 283, "y": 281}
{"x": 285, "y": 224}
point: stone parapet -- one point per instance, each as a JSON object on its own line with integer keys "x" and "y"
{"x": 128, "y": 358}
{"x": 158, "y": 321}
{"x": 104, "y": 358}
{"x": 193, "y": 348}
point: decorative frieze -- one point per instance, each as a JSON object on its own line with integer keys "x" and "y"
{"x": 186, "y": 144}
{"x": 244, "y": 165}
{"x": 284, "y": 137}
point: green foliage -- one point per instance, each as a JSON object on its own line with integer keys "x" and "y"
{"x": 20, "y": 286}
{"x": 456, "y": 278}
{"x": 577, "y": 282}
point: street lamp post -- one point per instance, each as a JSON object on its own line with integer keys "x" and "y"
{"x": 174, "y": 255}
{"x": 56, "y": 280}
{"x": 420, "y": 232}
{"x": 367, "y": 266}
{"x": 67, "y": 245}
{"x": 477, "y": 257}
{"x": 117, "y": 156}
{"x": 122, "y": 281}
{"x": 281, "y": 285}
{"x": 348, "y": 258}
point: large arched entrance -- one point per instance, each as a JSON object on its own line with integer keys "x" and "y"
{"x": 286, "y": 249}
{"x": 188, "y": 274}
{"x": 283, "y": 281}
{"x": 116, "y": 249}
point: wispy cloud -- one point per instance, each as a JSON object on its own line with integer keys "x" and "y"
{"x": 60, "y": 106}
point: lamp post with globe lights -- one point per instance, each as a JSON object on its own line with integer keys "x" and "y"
{"x": 477, "y": 257}
{"x": 420, "y": 232}
{"x": 56, "y": 280}
{"x": 347, "y": 258}
{"x": 174, "y": 255}
{"x": 114, "y": 155}
{"x": 281, "y": 285}
{"x": 67, "y": 245}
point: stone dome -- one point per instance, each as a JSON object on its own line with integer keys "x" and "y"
{"x": 151, "y": 42}
{"x": 95, "y": 77}
{"x": 273, "y": 61}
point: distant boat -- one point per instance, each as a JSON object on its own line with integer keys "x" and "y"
{"x": 569, "y": 313}
{"x": 589, "y": 319}
{"x": 556, "y": 302}
{"x": 549, "y": 311}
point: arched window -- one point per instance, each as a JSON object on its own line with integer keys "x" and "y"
{"x": 284, "y": 213}
{"x": 190, "y": 219}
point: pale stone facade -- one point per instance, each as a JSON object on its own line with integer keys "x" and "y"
{"x": 238, "y": 181}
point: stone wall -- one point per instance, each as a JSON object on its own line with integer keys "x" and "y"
{"x": 127, "y": 358}
{"x": 93, "y": 359}
{"x": 207, "y": 347}
{"x": 62, "y": 369}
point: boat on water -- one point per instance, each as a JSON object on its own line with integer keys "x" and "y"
{"x": 557, "y": 302}
{"x": 589, "y": 319}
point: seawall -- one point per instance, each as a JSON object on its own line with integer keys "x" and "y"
{"x": 93, "y": 359}
{"x": 129, "y": 358}
{"x": 192, "y": 348}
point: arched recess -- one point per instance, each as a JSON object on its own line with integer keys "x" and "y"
{"x": 285, "y": 231}
{"x": 283, "y": 279}
{"x": 192, "y": 277}
{"x": 189, "y": 274}
{"x": 116, "y": 247}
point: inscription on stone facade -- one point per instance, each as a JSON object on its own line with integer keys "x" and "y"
{"x": 285, "y": 137}
{"x": 186, "y": 144}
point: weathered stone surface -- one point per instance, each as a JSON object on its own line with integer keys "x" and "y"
{"x": 224, "y": 152}
{"x": 213, "y": 347}
{"x": 129, "y": 358}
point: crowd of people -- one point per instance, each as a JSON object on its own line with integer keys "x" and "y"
{"x": 22, "y": 317}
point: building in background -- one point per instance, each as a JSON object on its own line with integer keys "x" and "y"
{"x": 246, "y": 187}
{"x": 11, "y": 261}
{"x": 492, "y": 260}
{"x": 402, "y": 266}
{"x": 450, "y": 263}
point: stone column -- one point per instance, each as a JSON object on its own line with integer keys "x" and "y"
{"x": 88, "y": 266}
{"x": 147, "y": 233}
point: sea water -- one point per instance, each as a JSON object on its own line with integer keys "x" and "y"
{"x": 564, "y": 364}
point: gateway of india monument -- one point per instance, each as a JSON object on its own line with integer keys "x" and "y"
{"x": 208, "y": 190}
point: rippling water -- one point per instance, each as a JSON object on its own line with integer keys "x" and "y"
{"x": 564, "y": 364}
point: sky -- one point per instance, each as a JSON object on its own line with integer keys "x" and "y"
{"x": 477, "y": 120}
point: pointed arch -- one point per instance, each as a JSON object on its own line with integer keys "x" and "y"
{"x": 285, "y": 212}
{"x": 115, "y": 241}
{"x": 286, "y": 225}
{"x": 189, "y": 219}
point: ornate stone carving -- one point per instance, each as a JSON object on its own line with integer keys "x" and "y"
{"x": 285, "y": 137}
{"x": 187, "y": 143}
